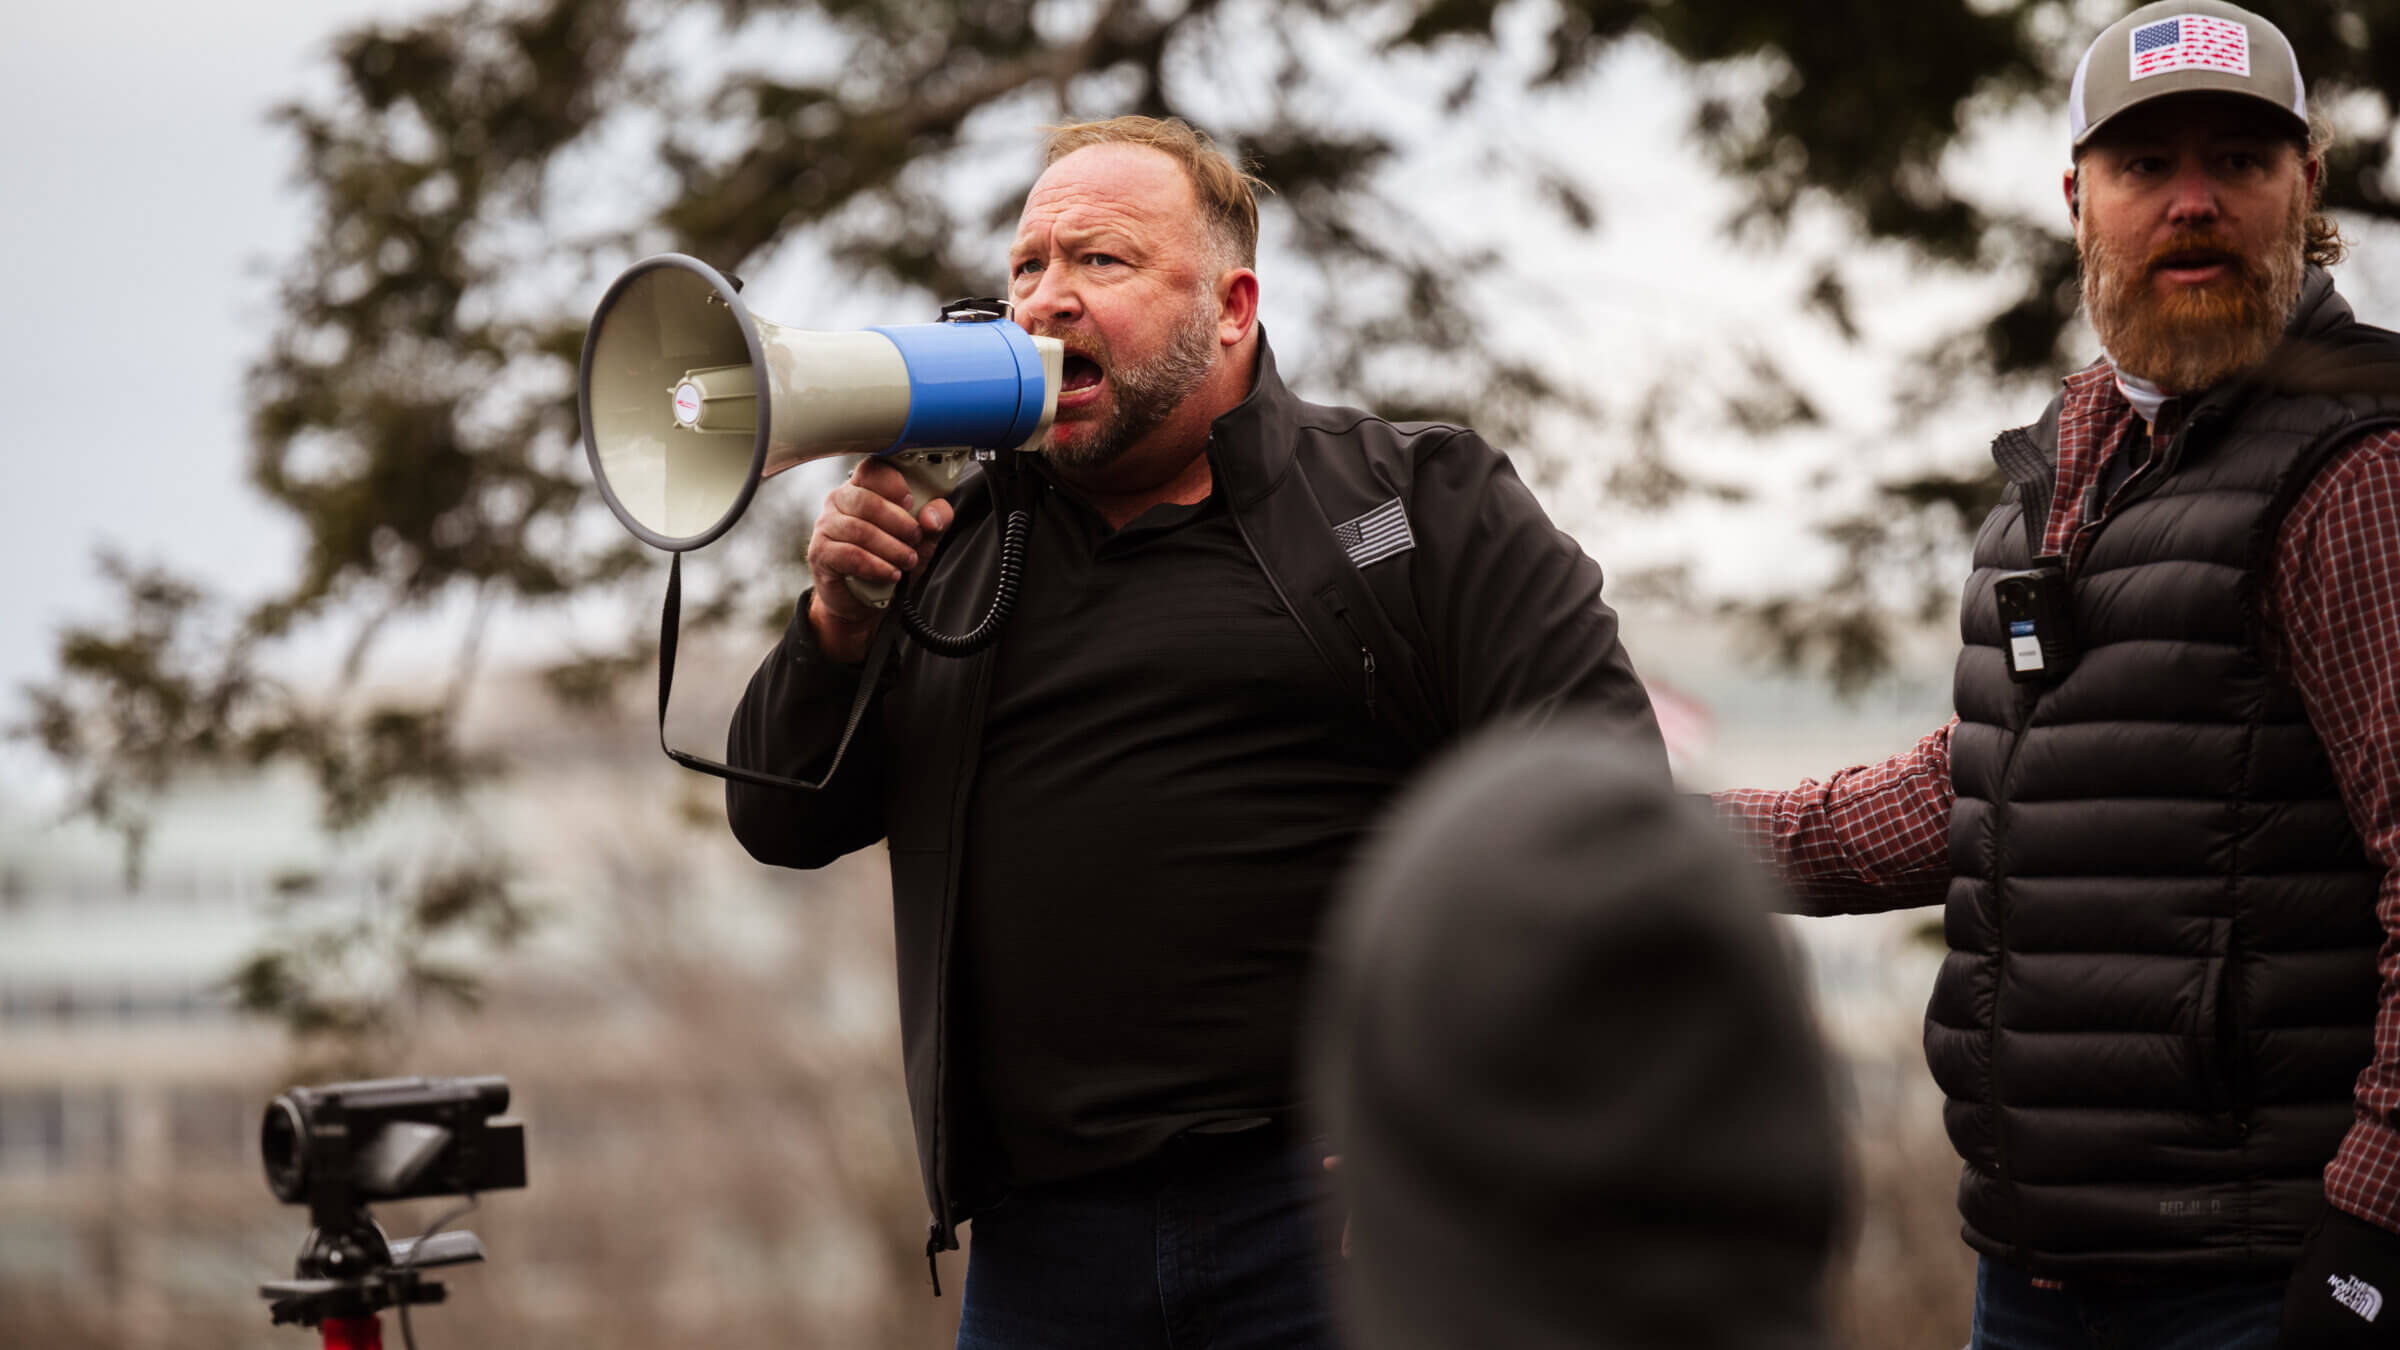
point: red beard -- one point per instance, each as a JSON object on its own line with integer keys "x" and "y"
{"x": 2189, "y": 338}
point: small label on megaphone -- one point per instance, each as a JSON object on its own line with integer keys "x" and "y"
{"x": 687, "y": 403}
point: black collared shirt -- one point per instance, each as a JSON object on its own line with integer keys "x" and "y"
{"x": 1171, "y": 781}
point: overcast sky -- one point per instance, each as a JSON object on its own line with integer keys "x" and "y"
{"x": 150, "y": 201}
{"x": 147, "y": 196}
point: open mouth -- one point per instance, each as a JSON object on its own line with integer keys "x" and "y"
{"x": 1079, "y": 373}
{"x": 2195, "y": 264}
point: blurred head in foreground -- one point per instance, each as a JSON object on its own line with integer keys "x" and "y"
{"x": 1570, "y": 1069}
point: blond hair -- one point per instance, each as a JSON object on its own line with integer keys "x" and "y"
{"x": 1228, "y": 193}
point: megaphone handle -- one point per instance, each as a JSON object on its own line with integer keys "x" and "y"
{"x": 876, "y": 593}
{"x": 932, "y": 475}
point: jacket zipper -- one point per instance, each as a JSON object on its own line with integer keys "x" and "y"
{"x": 2027, "y": 696}
{"x": 2036, "y": 527}
{"x": 1274, "y": 582}
{"x": 1366, "y": 656}
{"x": 940, "y": 1233}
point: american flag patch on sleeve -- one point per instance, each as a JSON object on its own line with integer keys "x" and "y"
{"x": 2191, "y": 42}
{"x": 1377, "y": 535}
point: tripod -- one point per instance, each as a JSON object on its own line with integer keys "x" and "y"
{"x": 348, "y": 1272}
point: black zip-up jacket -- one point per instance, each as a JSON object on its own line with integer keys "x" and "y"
{"x": 1492, "y": 614}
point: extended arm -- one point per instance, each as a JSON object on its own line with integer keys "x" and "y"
{"x": 1870, "y": 838}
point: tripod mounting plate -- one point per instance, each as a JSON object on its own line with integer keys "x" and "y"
{"x": 310, "y": 1297}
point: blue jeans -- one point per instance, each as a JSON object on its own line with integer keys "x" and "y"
{"x": 2013, "y": 1313}
{"x": 1220, "y": 1243}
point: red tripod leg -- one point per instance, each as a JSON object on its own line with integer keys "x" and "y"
{"x": 352, "y": 1333}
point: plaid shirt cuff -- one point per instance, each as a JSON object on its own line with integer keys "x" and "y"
{"x": 2364, "y": 1177}
{"x": 1870, "y": 838}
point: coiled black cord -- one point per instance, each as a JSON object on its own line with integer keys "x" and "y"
{"x": 1004, "y": 598}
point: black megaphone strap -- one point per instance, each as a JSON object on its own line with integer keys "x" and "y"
{"x": 670, "y": 623}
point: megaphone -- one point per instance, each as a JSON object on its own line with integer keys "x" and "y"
{"x": 689, "y": 400}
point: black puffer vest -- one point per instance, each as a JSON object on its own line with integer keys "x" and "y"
{"x": 2161, "y": 981}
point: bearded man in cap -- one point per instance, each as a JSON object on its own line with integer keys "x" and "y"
{"x": 2166, "y": 818}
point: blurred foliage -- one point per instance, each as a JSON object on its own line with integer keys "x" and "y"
{"x": 476, "y": 174}
{"x": 345, "y": 970}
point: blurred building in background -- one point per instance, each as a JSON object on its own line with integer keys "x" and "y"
{"x": 126, "y": 1081}
{"x": 705, "y": 1054}
{"x": 704, "y": 1051}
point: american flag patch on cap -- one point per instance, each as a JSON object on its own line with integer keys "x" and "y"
{"x": 1377, "y": 535}
{"x": 2191, "y": 42}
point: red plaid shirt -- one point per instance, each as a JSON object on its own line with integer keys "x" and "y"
{"x": 1876, "y": 837}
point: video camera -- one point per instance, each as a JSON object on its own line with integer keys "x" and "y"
{"x": 339, "y": 1147}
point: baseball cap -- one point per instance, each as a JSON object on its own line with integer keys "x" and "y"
{"x": 2184, "y": 47}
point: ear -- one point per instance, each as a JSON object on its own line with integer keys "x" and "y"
{"x": 2066, "y": 184}
{"x": 2311, "y": 167}
{"x": 1237, "y": 305}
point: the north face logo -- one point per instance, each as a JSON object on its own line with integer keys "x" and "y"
{"x": 2357, "y": 1295}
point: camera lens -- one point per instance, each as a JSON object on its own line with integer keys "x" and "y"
{"x": 283, "y": 1143}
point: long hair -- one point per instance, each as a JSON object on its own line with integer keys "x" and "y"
{"x": 2325, "y": 244}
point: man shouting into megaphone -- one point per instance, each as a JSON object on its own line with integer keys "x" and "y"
{"x": 1244, "y": 620}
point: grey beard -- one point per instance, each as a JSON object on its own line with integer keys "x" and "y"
{"x": 1149, "y": 392}
{"x": 2175, "y": 344}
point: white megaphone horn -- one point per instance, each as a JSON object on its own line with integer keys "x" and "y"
{"x": 689, "y": 400}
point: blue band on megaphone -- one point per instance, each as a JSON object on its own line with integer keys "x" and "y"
{"x": 976, "y": 384}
